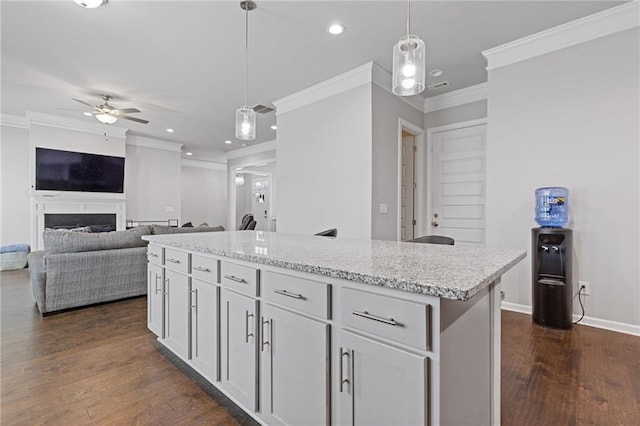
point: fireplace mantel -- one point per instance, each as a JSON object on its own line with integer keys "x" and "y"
{"x": 43, "y": 204}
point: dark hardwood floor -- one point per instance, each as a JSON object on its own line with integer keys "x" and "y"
{"x": 100, "y": 365}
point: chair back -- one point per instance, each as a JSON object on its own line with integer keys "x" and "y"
{"x": 333, "y": 232}
{"x": 434, "y": 239}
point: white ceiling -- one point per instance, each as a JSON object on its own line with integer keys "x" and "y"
{"x": 182, "y": 62}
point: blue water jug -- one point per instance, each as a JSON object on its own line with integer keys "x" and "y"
{"x": 552, "y": 206}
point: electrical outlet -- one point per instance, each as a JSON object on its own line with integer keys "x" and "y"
{"x": 585, "y": 286}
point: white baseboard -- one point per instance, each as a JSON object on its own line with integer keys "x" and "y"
{"x": 619, "y": 327}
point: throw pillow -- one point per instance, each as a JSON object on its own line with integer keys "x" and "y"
{"x": 187, "y": 225}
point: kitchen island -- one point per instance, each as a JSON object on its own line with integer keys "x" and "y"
{"x": 316, "y": 330}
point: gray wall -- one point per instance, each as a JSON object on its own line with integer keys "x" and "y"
{"x": 14, "y": 174}
{"x": 571, "y": 118}
{"x": 203, "y": 196}
{"x": 325, "y": 165}
{"x": 457, "y": 114}
{"x": 387, "y": 110}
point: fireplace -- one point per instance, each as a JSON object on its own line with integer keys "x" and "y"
{"x": 98, "y": 222}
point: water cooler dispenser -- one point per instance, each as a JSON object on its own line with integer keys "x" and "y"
{"x": 552, "y": 252}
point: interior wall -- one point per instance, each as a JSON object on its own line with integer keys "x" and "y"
{"x": 325, "y": 164}
{"x": 203, "y": 196}
{"x": 571, "y": 118}
{"x": 153, "y": 184}
{"x": 15, "y": 212}
{"x": 243, "y": 198}
{"x": 456, "y": 114}
{"x": 387, "y": 110}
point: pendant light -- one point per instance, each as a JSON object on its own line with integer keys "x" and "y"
{"x": 409, "y": 63}
{"x": 245, "y": 115}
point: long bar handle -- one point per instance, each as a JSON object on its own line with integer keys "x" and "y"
{"x": 157, "y": 289}
{"x": 292, "y": 295}
{"x": 246, "y": 324}
{"x": 343, "y": 353}
{"x": 194, "y": 303}
{"x": 236, "y": 279}
{"x": 266, "y": 342}
{"x": 201, "y": 269}
{"x": 169, "y": 259}
{"x": 166, "y": 285}
{"x": 367, "y": 315}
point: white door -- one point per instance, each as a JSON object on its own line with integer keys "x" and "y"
{"x": 155, "y": 300}
{"x": 294, "y": 369}
{"x": 204, "y": 329}
{"x": 408, "y": 187}
{"x": 260, "y": 202}
{"x": 379, "y": 384}
{"x": 458, "y": 190}
{"x": 238, "y": 347}
{"x": 177, "y": 313}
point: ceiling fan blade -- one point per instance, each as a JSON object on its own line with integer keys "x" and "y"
{"x": 137, "y": 120}
{"x": 83, "y": 102}
{"x": 127, "y": 110}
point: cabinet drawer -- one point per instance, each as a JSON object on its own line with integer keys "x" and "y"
{"x": 176, "y": 260}
{"x": 154, "y": 254}
{"x": 298, "y": 293}
{"x": 204, "y": 268}
{"x": 243, "y": 279}
{"x": 399, "y": 320}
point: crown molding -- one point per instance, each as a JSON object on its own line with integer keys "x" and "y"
{"x": 606, "y": 22}
{"x": 382, "y": 78}
{"x": 73, "y": 124}
{"x": 11, "y": 120}
{"x": 457, "y": 97}
{"x": 250, "y": 150}
{"x": 203, "y": 165}
{"x": 154, "y": 143}
{"x": 326, "y": 89}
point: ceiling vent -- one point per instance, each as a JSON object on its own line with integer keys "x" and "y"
{"x": 438, "y": 85}
{"x": 261, "y": 109}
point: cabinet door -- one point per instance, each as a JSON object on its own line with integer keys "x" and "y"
{"x": 204, "y": 329}
{"x": 155, "y": 298}
{"x": 294, "y": 368}
{"x": 176, "y": 331}
{"x": 239, "y": 347}
{"x": 379, "y": 384}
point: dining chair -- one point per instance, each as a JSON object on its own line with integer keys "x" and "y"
{"x": 434, "y": 239}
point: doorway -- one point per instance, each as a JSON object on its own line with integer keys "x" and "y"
{"x": 253, "y": 192}
{"x": 457, "y": 176}
{"x": 408, "y": 187}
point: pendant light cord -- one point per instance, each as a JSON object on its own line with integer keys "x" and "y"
{"x": 408, "y": 17}
{"x": 246, "y": 51}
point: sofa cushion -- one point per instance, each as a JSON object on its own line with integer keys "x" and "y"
{"x": 62, "y": 241}
{"x": 161, "y": 229}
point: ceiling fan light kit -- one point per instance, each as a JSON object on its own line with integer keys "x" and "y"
{"x": 107, "y": 114}
{"x": 409, "y": 63}
{"x": 245, "y": 115}
{"x": 106, "y": 118}
{"x": 90, "y": 4}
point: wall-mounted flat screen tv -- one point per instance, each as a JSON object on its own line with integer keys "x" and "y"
{"x": 58, "y": 170}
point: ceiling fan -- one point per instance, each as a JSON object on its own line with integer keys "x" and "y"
{"x": 108, "y": 114}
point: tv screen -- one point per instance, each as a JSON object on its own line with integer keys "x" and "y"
{"x": 76, "y": 171}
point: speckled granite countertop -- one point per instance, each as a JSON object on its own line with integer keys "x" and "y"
{"x": 436, "y": 270}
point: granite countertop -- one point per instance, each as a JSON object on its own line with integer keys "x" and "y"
{"x": 452, "y": 272}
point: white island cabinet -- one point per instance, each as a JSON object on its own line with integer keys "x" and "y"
{"x": 322, "y": 331}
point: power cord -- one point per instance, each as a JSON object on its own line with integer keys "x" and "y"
{"x": 581, "y": 305}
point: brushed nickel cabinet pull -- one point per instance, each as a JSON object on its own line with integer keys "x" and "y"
{"x": 246, "y": 324}
{"x": 367, "y": 315}
{"x": 194, "y": 296}
{"x": 292, "y": 295}
{"x": 265, "y": 342}
{"x": 343, "y": 353}
{"x": 152, "y": 254}
{"x": 157, "y": 289}
{"x": 201, "y": 269}
{"x": 236, "y": 279}
{"x": 173, "y": 260}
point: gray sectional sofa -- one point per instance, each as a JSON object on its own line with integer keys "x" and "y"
{"x": 78, "y": 269}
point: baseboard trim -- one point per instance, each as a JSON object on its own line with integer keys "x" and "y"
{"x": 618, "y": 327}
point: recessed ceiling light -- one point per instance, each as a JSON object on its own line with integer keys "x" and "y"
{"x": 244, "y": 144}
{"x": 189, "y": 153}
{"x": 90, "y": 4}
{"x": 88, "y": 114}
{"x": 336, "y": 29}
{"x": 274, "y": 127}
{"x": 228, "y": 142}
{"x": 436, "y": 73}
{"x": 170, "y": 130}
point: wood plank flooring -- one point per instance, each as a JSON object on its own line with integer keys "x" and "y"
{"x": 100, "y": 365}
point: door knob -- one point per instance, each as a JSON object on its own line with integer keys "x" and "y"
{"x": 435, "y": 224}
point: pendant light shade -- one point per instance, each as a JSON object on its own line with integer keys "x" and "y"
{"x": 245, "y": 123}
{"x": 409, "y": 63}
{"x": 245, "y": 115}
